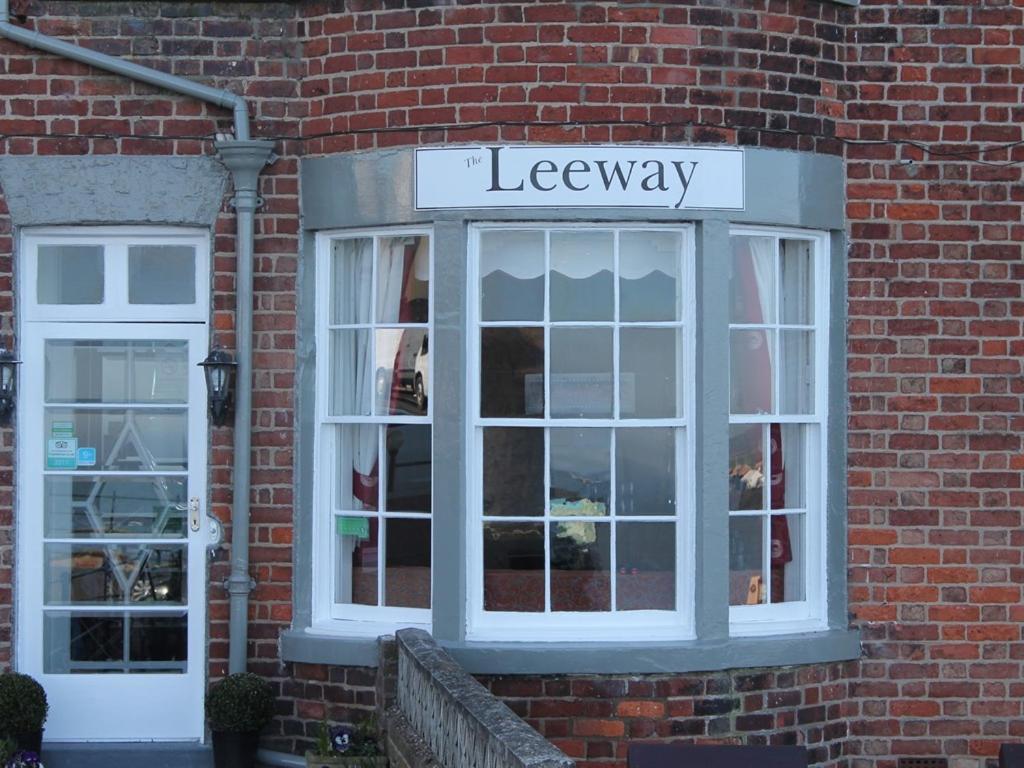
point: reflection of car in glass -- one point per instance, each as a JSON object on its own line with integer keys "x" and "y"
{"x": 412, "y": 369}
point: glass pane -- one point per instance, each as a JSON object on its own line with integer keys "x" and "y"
{"x": 512, "y": 372}
{"x": 787, "y": 559}
{"x": 648, "y": 386}
{"x": 788, "y": 461}
{"x": 580, "y": 472}
{"x": 646, "y": 557}
{"x": 115, "y": 573}
{"x": 351, "y": 281}
{"x": 648, "y": 276}
{"x": 746, "y": 561}
{"x": 91, "y": 507}
{"x": 407, "y": 563}
{"x": 121, "y": 439}
{"x": 746, "y": 466}
{"x": 161, "y": 274}
{"x": 70, "y": 274}
{"x": 358, "y": 470}
{"x": 796, "y": 389}
{"x": 356, "y": 539}
{"x": 750, "y": 371}
{"x": 116, "y": 371}
{"x": 752, "y": 280}
{"x": 514, "y": 567}
{"x": 408, "y": 469}
{"x": 403, "y": 279}
{"x": 645, "y": 471}
{"x": 797, "y": 282}
{"x": 75, "y": 642}
{"x": 582, "y": 265}
{"x": 581, "y": 566}
{"x": 155, "y": 639}
{"x": 513, "y": 471}
{"x": 355, "y": 382}
{"x": 402, "y": 371}
{"x": 581, "y": 373}
{"x": 512, "y": 275}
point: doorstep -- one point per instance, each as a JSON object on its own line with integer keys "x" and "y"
{"x": 131, "y": 755}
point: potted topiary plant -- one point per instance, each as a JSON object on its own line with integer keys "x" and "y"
{"x": 23, "y": 711}
{"x": 238, "y": 708}
{"x": 12, "y": 757}
{"x": 345, "y": 747}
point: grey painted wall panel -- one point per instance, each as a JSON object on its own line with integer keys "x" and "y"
{"x": 113, "y": 190}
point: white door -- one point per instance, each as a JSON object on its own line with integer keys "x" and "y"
{"x": 111, "y": 527}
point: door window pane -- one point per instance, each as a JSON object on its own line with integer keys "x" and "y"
{"x": 69, "y": 274}
{"x": 93, "y": 371}
{"x": 161, "y": 274}
{"x": 124, "y": 439}
{"x": 105, "y": 506}
{"x": 115, "y": 573}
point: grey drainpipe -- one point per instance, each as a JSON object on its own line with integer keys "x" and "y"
{"x": 244, "y": 158}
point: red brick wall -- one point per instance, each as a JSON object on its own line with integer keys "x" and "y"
{"x": 935, "y": 302}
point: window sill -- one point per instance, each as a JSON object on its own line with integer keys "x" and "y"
{"x": 492, "y": 658}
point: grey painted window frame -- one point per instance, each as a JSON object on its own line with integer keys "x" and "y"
{"x": 785, "y": 189}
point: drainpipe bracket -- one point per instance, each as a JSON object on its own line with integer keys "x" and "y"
{"x": 241, "y": 586}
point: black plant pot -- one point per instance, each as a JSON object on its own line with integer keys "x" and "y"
{"x": 31, "y": 741}
{"x": 235, "y": 750}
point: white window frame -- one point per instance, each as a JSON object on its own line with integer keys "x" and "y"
{"x": 605, "y": 625}
{"x": 330, "y": 617}
{"x": 809, "y": 614}
{"x": 115, "y": 242}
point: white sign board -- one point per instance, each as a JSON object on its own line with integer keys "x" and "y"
{"x": 635, "y": 176}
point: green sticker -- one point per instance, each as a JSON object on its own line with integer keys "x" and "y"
{"x": 62, "y": 429}
{"x": 354, "y": 526}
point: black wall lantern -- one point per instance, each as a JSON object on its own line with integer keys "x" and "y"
{"x": 8, "y": 379}
{"x": 219, "y": 369}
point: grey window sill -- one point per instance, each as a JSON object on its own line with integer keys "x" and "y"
{"x": 492, "y": 658}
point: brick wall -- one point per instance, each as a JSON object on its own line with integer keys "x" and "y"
{"x": 935, "y": 302}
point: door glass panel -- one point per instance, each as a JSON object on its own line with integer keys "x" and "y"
{"x": 161, "y": 274}
{"x": 124, "y": 439}
{"x": 116, "y": 371}
{"x": 105, "y": 506}
{"x": 115, "y": 573}
{"x": 78, "y": 643}
{"x": 70, "y": 274}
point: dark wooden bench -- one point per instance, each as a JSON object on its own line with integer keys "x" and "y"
{"x": 715, "y": 756}
{"x": 1011, "y": 756}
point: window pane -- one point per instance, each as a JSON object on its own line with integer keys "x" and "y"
{"x": 797, "y": 282}
{"x": 402, "y": 377}
{"x": 407, "y": 563}
{"x": 647, "y": 385}
{"x": 408, "y": 469}
{"x": 796, "y": 390}
{"x": 351, "y": 280}
{"x": 581, "y": 373}
{"x": 645, "y": 471}
{"x": 356, "y": 539}
{"x": 158, "y": 638}
{"x": 403, "y": 279}
{"x": 116, "y": 371}
{"x": 648, "y": 276}
{"x": 125, "y": 439}
{"x": 581, "y": 566}
{"x": 74, "y": 642}
{"x": 107, "y": 506}
{"x": 746, "y": 561}
{"x": 646, "y": 559}
{"x": 787, "y": 559}
{"x": 70, "y": 274}
{"x": 115, "y": 573}
{"x": 582, "y": 266}
{"x": 514, "y": 567}
{"x": 161, "y": 274}
{"x": 752, "y": 281}
{"x": 580, "y": 472}
{"x": 512, "y": 275}
{"x": 358, "y": 471}
{"x": 788, "y": 457}
{"x": 513, "y": 471}
{"x": 354, "y": 379}
{"x": 512, "y": 372}
{"x": 751, "y": 370}
{"x": 746, "y": 466}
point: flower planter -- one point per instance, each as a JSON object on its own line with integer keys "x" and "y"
{"x": 235, "y": 750}
{"x": 345, "y": 761}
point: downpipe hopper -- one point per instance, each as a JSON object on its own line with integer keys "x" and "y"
{"x": 245, "y": 160}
